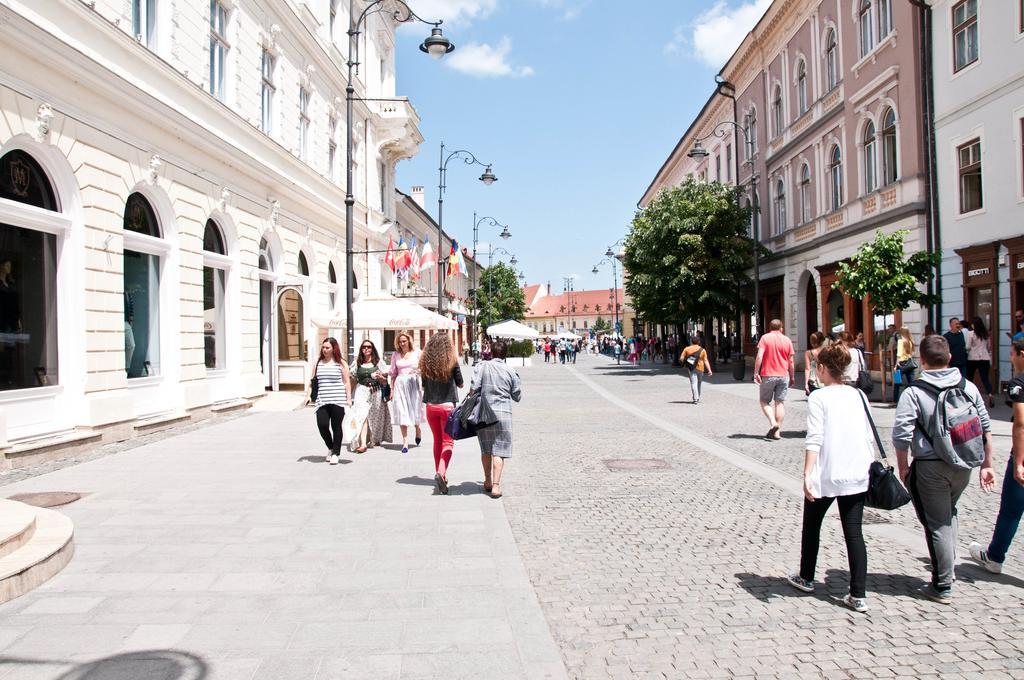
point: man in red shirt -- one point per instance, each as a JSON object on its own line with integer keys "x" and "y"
{"x": 775, "y": 372}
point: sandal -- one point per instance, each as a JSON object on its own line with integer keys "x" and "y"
{"x": 487, "y": 489}
{"x": 361, "y": 449}
{"x": 496, "y": 492}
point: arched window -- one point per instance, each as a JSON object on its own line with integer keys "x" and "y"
{"x": 777, "y": 118}
{"x": 215, "y": 266}
{"x": 835, "y": 312}
{"x": 291, "y": 323}
{"x": 303, "y": 264}
{"x": 866, "y": 30}
{"x": 28, "y": 279}
{"x": 752, "y": 132}
{"x": 780, "y": 207}
{"x": 884, "y": 9}
{"x": 801, "y": 86}
{"x": 831, "y": 59}
{"x": 142, "y": 270}
{"x": 890, "y": 173}
{"x": 805, "y": 194}
{"x": 266, "y": 257}
{"x": 835, "y": 176}
{"x": 870, "y": 159}
{"x": 332, "y": 285}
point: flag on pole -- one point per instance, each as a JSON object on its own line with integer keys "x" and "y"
{"x": 402, "y": 258}
{"x": 389, "y": 258}
{"x": 454, "y": 260}
{"x": 414, "y": 261}
{"x": 428, "y": 258}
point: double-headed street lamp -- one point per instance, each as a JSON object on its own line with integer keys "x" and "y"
{"x": 611, "y": 256}
{"x": 435, "y": 45}
{"x": 487, "y": 178}
{"x": 699, "y": 153}
{"x": 505, "y": 235}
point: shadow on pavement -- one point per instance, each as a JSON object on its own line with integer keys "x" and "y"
{"x": 461, "y": 489}
{"x": 792, "y": 434}
{"x": 320, "y": 460}
{"x": 833, "y": 589}
{"x": 969, "y": 572}
{"x": 158, "y": 664}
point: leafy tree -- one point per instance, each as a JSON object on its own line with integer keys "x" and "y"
{"x": 499, "y": 296}
{"x": 602, "y": 325}
{"x": 881, "y": 272}
{"x": 688, "y": 252}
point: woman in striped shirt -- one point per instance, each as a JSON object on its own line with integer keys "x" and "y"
{"x": 332, "y": 396}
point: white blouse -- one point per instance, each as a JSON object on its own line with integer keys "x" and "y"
{"x": 839, "y": 432}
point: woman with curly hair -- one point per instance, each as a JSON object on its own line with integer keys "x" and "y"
{"x": 442, "y": 378}
{"x": 370, "y": 422}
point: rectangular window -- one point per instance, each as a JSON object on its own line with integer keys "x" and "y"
{"x": 303, "y": 123}
{"x": 884, "y": 18}
{"x": 381, "y": 170}
{"x": 213, "y": 318}
{"x": 218, "y": 47}
{"x": 144, "y": 21}
{"x": 332, "y": 20}
{"x": 969, "y": 162}
{"x": 332, "y": 148}
{"x": 718, "y": 168}
{"x": 965, "y": 34}
{"x": 28, "y": 308}
{"x": 728, "y": 162}
{"x": 267, "y": 95}
{"x": 141, "y": 314}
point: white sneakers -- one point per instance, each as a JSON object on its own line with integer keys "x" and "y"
{"x": 981, "y": 557}
{"x": 334, "y": 459}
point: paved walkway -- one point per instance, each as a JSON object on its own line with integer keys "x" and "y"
{"x": 640, "y": 537}
{"x": 232, "y": 552}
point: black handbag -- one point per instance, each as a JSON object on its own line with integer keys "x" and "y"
{"x": 909, "y": 364}
{"x": 314, "y": 383}
{"x": 865, "y": 383}
{"x": 885, "y": 491}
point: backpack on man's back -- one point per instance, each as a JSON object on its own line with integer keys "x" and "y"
{"x": 955, "y": 433}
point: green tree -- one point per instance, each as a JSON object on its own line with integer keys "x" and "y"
{"x": 881, "y": 272}
{"x": 688, "y": 252}
{"x": 499, "y": 296}
{"x": 602, "y": 325}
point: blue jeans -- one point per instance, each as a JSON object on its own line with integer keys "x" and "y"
{"x": 1011, "y": 507}
{"x": 906, "y": 377}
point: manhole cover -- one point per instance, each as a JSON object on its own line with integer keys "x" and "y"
{"x": 46, "y": 499}
{"x": 636, "y": 464}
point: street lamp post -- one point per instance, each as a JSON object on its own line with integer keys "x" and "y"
{"x": 487, "y": 178}
{"x": 615, "y": 286}
{"x": 505, "y": 235}
{"x": 490, "y": 274}
{"x": 698, "y": 152}
{"x": 435, "y": 45}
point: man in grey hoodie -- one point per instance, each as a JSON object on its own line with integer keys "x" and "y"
{"x": 935, "y": 485}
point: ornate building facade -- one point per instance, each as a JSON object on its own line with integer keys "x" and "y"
{"x": 172, "y": 204}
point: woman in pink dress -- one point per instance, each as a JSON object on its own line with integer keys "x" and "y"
{"x": 406, "y": 392}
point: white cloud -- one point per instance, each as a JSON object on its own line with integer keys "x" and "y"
{"x": 455, "y": 11}
{"x": 484, "y": 61}
{"x": 570, "y": 9}
{"x": 715, "y": 34}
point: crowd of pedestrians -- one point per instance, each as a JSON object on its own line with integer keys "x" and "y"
{"x": 360, "y": 403}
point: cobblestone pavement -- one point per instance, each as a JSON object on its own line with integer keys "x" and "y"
{"x": 679, "y": 572}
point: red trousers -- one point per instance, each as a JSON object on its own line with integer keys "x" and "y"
{"x": 437, "y": 416}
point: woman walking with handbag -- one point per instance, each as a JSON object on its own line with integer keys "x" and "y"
{"x": 328, "y": 391}
{"x": 695, "y": 359}
{"x": 442, "y": 378}
{"x": 370, "y": 420}
{"x": 838, "y": 455}
{"x": 499, "y": 386}
{"x": 406, "y": 393}
{"x": 979, "y": 356}
{"x": 905, "y": 363}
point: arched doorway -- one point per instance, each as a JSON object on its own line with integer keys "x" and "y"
{"x": 267, "y": 268}
{"x": 811, "y": 306}
{"x": 291, "y": 337}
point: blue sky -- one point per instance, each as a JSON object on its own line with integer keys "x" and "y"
{"x": 577, "y": 103}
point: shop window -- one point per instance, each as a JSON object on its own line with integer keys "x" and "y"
{"x": 214, "y": 308}
{"x": 965, "y": 34}
{"x": 870, "y": 156}
{"x": 969, "y": 158}
{"x": 141, "y": 289}
{"x": 890, "y": 173}
{"x": 28, "y": 282}
{"x": 291, "y": 336}
{"x": 836, "y": 312}
{"x": 831, "y": 60}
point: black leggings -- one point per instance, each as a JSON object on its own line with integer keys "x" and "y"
{"x": 851, "y": 514}
{"x": 984, "y": 367}
{"x": 328, "y": 417}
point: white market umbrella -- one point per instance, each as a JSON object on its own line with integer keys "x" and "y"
{"x": 513, "y": 330}
{"x": 566, "y": 335}
{"x": 385, "y": 312}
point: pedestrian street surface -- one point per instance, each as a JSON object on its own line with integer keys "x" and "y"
{"x": 639, "y": 537}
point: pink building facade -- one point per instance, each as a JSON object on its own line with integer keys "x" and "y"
{"x": 826, "y": 98}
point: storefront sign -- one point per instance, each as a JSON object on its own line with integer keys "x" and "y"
{"x": 980, "y": 271}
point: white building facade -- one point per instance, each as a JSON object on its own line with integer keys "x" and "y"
{"x": 978, "y": 50}
{"x": 172, "y": 203}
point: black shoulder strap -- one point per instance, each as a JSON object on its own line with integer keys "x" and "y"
{"x": 871, "y": 421}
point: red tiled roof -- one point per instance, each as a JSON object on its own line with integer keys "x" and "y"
{"x": 586, "y": 301}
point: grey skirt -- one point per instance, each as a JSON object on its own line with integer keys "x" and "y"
{"x": 496, "y": 440}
